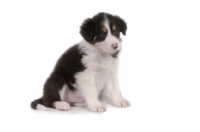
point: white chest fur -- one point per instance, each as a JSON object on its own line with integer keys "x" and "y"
{"x": 99, "y": 66}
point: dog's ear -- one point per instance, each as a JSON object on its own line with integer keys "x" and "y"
{"x": 87, "y": 30}
{"x": 122, "y": 24}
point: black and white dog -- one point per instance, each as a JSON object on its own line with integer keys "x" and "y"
{"x": 88, "y": 69}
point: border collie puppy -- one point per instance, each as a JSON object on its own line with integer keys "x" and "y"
{"x": 88, "y": 69}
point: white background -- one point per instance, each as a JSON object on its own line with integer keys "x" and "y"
{"x": 159, "y": 67}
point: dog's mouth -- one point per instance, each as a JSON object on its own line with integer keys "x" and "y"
{"x": 115, "y": 54}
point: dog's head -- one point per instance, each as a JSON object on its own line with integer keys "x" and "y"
{"x": 103, "y": 31}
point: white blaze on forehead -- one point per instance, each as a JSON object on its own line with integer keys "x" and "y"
{"x": 106, "y": 24}
{"x": 110, "y": 39}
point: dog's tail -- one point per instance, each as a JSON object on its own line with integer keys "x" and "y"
{"x": 38, "y": 104}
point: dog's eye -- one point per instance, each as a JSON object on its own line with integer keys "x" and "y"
{"x": 102, "y": 34}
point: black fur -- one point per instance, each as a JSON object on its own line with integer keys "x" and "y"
{"x": 119, "y": 22}
{"x": 35, "y": 102}
{"x": 67, "y": 66}
{"x": 88, "y": 30}
{"x": 91, "y": 27}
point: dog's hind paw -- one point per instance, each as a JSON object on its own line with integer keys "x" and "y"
{"x": 61, "y": 105}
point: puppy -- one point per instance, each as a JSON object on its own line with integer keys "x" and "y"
{"x": 88, "y": 69}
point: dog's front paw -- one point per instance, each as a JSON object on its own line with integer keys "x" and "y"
{"x": 98, "y": 108}
{"x": 63, "y": 106}
{"x": 122, "y": 103}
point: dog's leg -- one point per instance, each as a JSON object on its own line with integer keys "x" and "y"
{"x": 54, "y": 89}
{"x": 87, "y": 88}
{"x": 114, "y": 91}
{"x": 62, "y": 105}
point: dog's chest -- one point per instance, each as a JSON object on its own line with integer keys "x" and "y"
{"x": 101, "y": 63}
{"x": 102, "y": 67}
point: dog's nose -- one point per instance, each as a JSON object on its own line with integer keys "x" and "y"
{"x": 114, "y": 46}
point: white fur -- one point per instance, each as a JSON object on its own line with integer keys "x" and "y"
{"x": 79, "y": 104}
{"x": 62, "y": 92}
{"x": 101, "y": 74}
{"x": 40, "y": 107}
{"x": 61, "y": 105}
